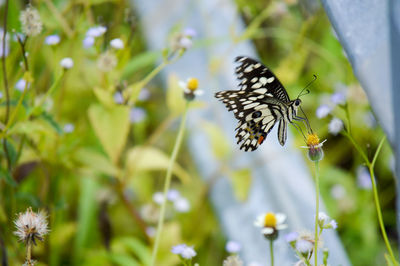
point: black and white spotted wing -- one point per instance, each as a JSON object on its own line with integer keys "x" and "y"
{"x": 260, "y": 103}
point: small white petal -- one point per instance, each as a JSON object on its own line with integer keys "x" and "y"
{"x": 267, "y": 230}
{"x": 280, "y": 218}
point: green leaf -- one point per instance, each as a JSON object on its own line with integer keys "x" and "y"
{"x": 105, "y": 97}
{"x": 220, "y": 145}
{"x": 111, "y": 126}
{"x": 96, "y": 161}
{"x": 123, "y": 260}
{"x": 150, "y": 158}
{"x": 140, "y": 61}
{"x": 86, "y": 216}
{"x": 30, "y": 128}
{"x": 4, "y": 174}
{"x": 175, "y": 100}
{"x": 138, "y": 248}
{"x": 241, "y": 182}
{"x": 49, "y": 119}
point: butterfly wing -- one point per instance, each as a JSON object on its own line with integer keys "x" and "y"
{"x": 260, "y": 103}
{"x": 256, "y": 78}
{"x": 257, "y": 115}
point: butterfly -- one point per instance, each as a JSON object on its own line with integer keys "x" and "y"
{"x": 261, "y": 102}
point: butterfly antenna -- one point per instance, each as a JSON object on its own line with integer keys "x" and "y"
{"x": 308, "y": 85}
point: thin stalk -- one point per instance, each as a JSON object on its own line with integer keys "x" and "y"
{"x": 379, "y": 212}
{"x": 376, "y": 199}
{"x": 167, "y": 184}
{"x": 5, "y": 82}
{"x": 28, "y": 252}
{"x": 316, "y": 211}
{"x": 271, "y": 251}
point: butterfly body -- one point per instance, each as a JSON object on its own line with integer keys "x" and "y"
{"x": 261, "y": 102}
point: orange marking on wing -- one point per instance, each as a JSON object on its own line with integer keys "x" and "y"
{"x": 260, "y": 139}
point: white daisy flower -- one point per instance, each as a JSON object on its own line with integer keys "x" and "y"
{"x": 190, "y": 88}
{"x": 270, "y": 224}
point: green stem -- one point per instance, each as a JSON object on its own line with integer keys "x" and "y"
{"x": 271, "y": 251}
{"x": 167, "y": 184}
{"x": 316, "y": 211}
{"x": 371, "y": 166}
{"x": 379, "y": 212}
{"x": 347, "y": 111}
{"x": 28, "y": 252}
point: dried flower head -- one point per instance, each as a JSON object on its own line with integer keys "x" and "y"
{"x": 106, "y": 62}
{"x": 31, "y": 226}
{"x": 271, "y": 223}
{"x": 233, "y": 260}
{"x": 30, "y": 20}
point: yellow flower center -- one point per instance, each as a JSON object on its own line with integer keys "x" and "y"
{"x": 270, "y": 220}
{"x": 312, "y": 140}
{"x": 192, "y": 84}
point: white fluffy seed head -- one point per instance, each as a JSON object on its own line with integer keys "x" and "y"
{"x": 30, "y": 21}
{"x": 31, "y": 226}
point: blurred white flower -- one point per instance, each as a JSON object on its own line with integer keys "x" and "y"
{"x": 151, "y": 231}
{"x": 67, "y": 63}
{"x": 190, "y": 32}
{"x": 96, "y": 31}
{"x": 233, "y": 246}
{"x": 173, "y": 194}
{"x": 181, "y": 204}
{"x": 335, "y": 126}
{"x": 30, "y": 21}
{"x": 144, "y": 94}
{"x": 232, "y": 260}
{"x": 117, "y": 44}
{"x": 333, "y": 224}
{"x": 1, "y": 95}
{"x": 20, "y": 85}
{"x": 88, "y": 41}
{"x": 185, "y": 43}
{"x": 363, "y": 178}
{"x": 270, "y": 224}
{"x": 69, "y": 128}
{"x": 338, "y": 191}
{"x": 107, "y": 62}
{"x": 292, "y": 236}
{"x": 118, "y": 97}
{"x": 31, "y": 226}
{"x": 184, "y": 251}
{"x": 158, "y": 197}
{"x": 137, "y": 115}
{"x": 325, "y": 222}
{"x": 323, "y": 110}
{"x": 52, "y": 39}
{"x": 304, "y": 246}
{"x": 338, "y": 97}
